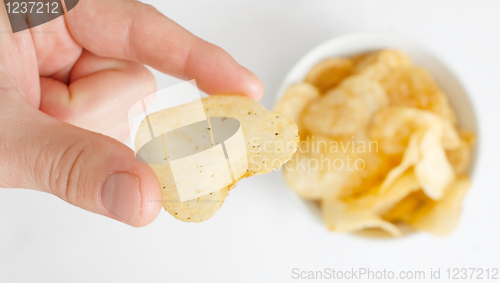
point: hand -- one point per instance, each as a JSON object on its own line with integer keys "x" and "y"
{"x": 63, "y": 83}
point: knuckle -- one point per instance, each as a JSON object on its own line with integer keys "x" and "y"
{"x": 66, "y": 176}
{"x": 144, "y": 6}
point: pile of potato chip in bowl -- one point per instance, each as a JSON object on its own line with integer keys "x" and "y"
{"x": 380, "y": 147}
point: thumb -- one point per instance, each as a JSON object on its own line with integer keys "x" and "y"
{"x": 86, "y": 169}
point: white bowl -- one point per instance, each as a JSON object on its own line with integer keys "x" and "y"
{"x": 352, "y": 44}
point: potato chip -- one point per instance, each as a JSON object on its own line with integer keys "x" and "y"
{"x": 319, "y": 168}
{"x": 426, "y": 153}
{"x": 345, "y": 110}
{"x": 440, "y": 105}
{"x": 268, "y": 131}
{"x": 303, "y": 176}
{"x": 402, "y": 211}
{"x": 433, "y": 170}
{"x": 393, "y": 126}
{"x": 339, "y": 112}
{"x": 271, "y": 139}
{"x": 296, "y": 99}
{"x": 377, "y": 65}
{"x": 380, "y": 201}
{"x": 195, "y": 210}
{"x": 368, "y": 90}
{"x": 414, "y": 87}
{"x": 373, "y": 165}
{"x": 459, "y": 158}
{"x": 325, "y": 167}
{"x": 328, "y": 73}
{"x": 338, "y": 216}
{"x": 356, "y": 59}
{"x": 450, "y": 137}
{"x": 441, "y": 217}
{"x": 410, "y": 158}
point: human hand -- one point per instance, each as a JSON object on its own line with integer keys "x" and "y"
{"x": 63, "y": 83}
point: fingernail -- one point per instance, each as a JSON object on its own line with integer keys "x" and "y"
{"x": 122, "y": 198}
{"x": 255, "y": 89}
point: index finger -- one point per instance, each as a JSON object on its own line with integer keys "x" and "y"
{"x": 131, "y": 30}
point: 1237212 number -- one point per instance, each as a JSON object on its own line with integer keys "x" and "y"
{"x": 32, "y": 7}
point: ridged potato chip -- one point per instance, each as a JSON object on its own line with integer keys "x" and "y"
{"x": 328, "y": 73}
{"x": 270, "y": 137}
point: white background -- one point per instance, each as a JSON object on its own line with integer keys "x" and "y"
{"x": 262, "y": 231}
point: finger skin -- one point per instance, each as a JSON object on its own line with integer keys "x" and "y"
{"x": 56, "y": 51}
{"x": 134, "y": 31}
{"x": 100, "y": 94}
{"x": 18, "y": 66}
{"x": 42, "y": 153}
